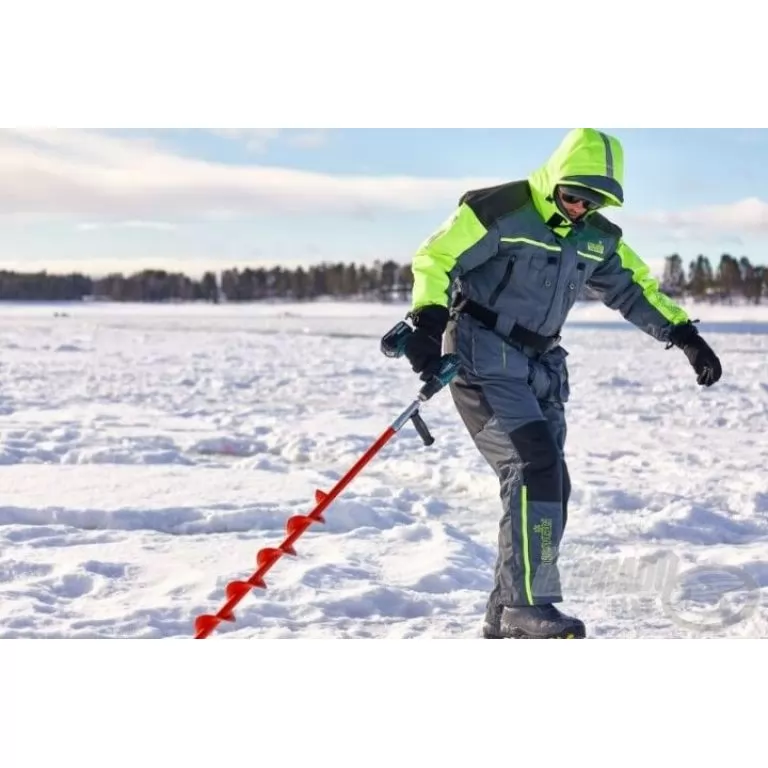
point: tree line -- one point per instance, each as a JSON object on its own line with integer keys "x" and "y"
{"x": 731, "y": 279}
{"x": 382, "y": 281}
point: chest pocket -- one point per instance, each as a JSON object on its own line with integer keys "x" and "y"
{"x": 537, "y": 262}
{"x": 588, "y": 262}
{"x": 543, "y": 268}
{"x": 584, "y": 264}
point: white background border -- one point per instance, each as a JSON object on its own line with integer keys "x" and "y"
{"x": 383, "y": 703}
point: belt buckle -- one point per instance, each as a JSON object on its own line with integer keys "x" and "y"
{"x": 460, "y": 303}
{"x": 457, "y": 307}
{"x": 553, "y": 342}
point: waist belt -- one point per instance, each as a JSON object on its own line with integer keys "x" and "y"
{"x": 518, "y": 334}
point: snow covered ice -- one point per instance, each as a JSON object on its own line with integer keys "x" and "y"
{"x": 148, "y": 452}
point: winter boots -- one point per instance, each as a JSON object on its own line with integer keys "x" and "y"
{"x": 532, "y": 622}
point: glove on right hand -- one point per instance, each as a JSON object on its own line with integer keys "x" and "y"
{"x": 424, "y": 346}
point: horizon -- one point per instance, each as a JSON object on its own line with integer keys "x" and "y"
{"x": 109, "y": 268}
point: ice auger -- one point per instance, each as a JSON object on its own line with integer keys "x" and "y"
{"x": 392, "y": 345}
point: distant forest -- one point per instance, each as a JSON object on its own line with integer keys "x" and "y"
{"x": 730, "y": 279}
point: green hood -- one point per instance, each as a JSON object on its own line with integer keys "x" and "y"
{"x": 586, "y": 157}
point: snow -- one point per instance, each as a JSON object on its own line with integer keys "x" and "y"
{"x": 148, "y": 452}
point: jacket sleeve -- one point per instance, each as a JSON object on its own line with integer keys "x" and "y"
{"x": 624, "y": 283}
{"x": 461, "y": 243}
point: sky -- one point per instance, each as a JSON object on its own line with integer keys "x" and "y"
{"x": 190, "y": 200}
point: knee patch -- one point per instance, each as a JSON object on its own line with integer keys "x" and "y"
{"x": 542, "y": 464}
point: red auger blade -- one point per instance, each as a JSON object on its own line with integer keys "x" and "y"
{"x": 205, "y": 624}
{"x": 297, "y": 524}
{"x": 268, "y": 556}
{"x": 237, "y": 590}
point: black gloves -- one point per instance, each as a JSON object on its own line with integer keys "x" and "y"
{"x": 424, "y": 348}
{"x": 700, "y": 355}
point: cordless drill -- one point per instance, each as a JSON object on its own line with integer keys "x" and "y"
{"x": 393, "y": 345}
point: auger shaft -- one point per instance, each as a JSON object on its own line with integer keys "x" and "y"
{"x": 297, "y": 524}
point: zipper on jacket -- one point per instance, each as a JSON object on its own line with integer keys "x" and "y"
{"x": 554, "y": 292}
{"x": 504, "y": 282}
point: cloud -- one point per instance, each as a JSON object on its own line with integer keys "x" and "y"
{"x": 255, "y": 139}
{"x": 87, "y": 174}
{"x": 308, "y": 139}
{"x": 158, "y": 226}
{"x": 137, "y": 184}
{"x": 192, "y": 265}
{"x": 748, "y": 216}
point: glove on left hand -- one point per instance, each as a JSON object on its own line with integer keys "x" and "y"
{"x": 700, "y": 355}
{"x": 424, "y": 347}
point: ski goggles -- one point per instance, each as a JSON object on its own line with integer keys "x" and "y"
{"x": 589, "y": 198}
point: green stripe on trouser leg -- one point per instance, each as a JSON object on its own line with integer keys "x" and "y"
{"x": 527, "y": 578}
{"x": 538, "y": 547}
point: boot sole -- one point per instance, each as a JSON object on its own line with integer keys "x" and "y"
{"x": 568, "y": 634}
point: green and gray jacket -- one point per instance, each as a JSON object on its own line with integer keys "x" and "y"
{"x": 509, "y": 249}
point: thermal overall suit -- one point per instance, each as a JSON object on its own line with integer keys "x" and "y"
{"x": 494, "y": 284}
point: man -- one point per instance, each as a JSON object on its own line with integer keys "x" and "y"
{"x": 494, "y": 285}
